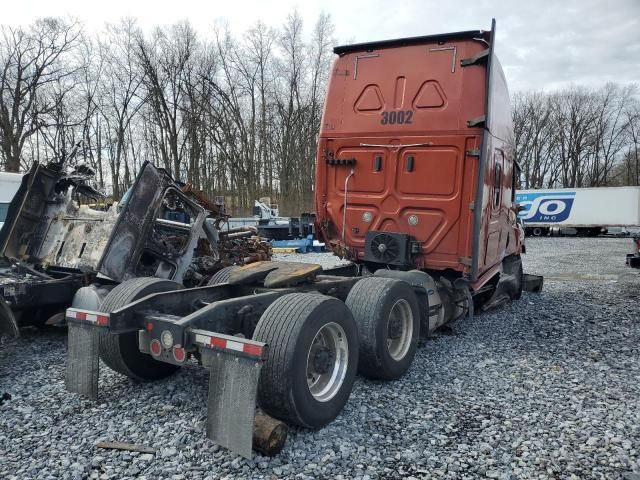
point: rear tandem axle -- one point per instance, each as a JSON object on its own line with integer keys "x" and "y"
{"x": 288, "y": 335}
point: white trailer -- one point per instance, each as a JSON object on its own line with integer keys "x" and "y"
{"x": 9, "y": 184}
{"x": 586, "y": 211}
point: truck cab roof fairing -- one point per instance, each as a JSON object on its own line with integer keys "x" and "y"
{"x": 401, "y": 42}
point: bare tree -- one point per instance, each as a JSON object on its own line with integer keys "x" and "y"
{"x": 30, "y": 60}
{"x": 164, "y": 60}
{"x": 289, "y": 106}
{"x": 239, "y": 115}
{"x": 534, "y": 137}
{"x": 120, "y": 95}
{"x": 260, "y": 40}
{"x": 609, "y": 136}
{"x": 575, "y": 137}
{"x": 631, "y": 165}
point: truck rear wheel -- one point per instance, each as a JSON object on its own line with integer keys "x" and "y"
{"x": 221, "y": 276}
{"x": 311, "y": 359}
{"x": 388, "y": 318}
{"x": 121, "y": 352}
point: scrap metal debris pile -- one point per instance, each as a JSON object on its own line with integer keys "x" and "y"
{"x": 77, "y": 229}
{"x": 243, "y": 245}
{"x": 62, "y": 232}
{"x": 230, "y": 246}
{"x": 209, "y": 259}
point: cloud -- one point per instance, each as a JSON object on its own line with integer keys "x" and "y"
{"x": 542, "y": 44}
{"x": 588, "y": 42}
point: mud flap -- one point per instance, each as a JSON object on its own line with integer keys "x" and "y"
{"x": 8, "y": 324}
{"x": 463, "y": 290}
{"x": 532, "y": 283}
{"x": 502, "y": 293}
{"x": 82, "y": 360}
{"x": 510, "y": 283}
{"x": 233, "y": 385}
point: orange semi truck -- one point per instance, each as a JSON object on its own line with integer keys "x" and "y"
{"x": 415, "y": 184}
{"x": 415, "y": 168}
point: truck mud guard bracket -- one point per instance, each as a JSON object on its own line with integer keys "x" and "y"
{"x": 477, "y": 122}
{"x": 473, "y": 153}
{"x": 234, "y": 365}
{"x": 479, "y": 58}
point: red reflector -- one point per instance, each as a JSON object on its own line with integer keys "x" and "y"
{"x": 100, "y": 319}
{"x": 232, "y": 345}
{"x": 253, "y": 350}
{"x": 156, "y": 348}
{"x": 179, "y": 354}
{"x": 149, "y": 326}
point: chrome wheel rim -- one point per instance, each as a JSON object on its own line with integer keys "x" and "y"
{"x": 327, "y": 362}
{"x": 399, "y": 329}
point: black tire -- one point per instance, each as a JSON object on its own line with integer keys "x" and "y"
{"x": 371, "y": 301}
{"x": 121, "y": 352}
{"x": 221, "y": 276}
{"x": 289, "y": 326}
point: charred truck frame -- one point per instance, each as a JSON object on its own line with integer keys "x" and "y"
{"x": 52, "y": 244}
{"x": 38, "y": 272}
{"x": 60, "y": 235}
{"x": 415, "y": 184}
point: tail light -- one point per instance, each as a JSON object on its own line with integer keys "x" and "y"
{"x": 179, "y": 355}
{"x": 155, "y": 347}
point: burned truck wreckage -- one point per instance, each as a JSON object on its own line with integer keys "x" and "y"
{"x": 422, "y": 203}
{"x": 60, "y": 235}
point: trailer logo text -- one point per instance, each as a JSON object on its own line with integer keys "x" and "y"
{"x": 545, "y": 207}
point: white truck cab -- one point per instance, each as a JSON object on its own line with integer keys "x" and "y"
{"x": 9, "y": 184}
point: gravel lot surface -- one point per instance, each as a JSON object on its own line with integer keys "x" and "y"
{"x": 547, "y": 387}
{"x": 327, "y": 260}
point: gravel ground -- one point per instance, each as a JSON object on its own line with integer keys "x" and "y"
{"x": 327, "y": 260}
{"x": 547, "y": 387}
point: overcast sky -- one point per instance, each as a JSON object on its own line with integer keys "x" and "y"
{"x": 542, "y": 44}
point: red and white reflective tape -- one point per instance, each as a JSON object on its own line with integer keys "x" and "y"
{"x": 98, "y": 318}
{"x": 233, "y": 344}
